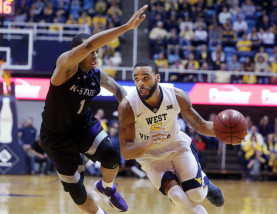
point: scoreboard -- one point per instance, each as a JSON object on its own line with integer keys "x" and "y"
{"x": 6, "y": 7}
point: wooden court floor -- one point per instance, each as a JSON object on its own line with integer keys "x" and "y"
{"x": 44, "y": 195}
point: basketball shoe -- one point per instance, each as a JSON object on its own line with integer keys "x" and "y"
{"x": 215, "y": 195}
{"x": 116, "y": 200}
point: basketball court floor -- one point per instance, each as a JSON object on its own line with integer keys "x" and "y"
{"x": 44, "y": 195}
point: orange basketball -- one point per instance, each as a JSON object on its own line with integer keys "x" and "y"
{"x": 230, "y": 126}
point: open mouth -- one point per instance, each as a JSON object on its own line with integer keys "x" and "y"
{"x": 143, "y": 91}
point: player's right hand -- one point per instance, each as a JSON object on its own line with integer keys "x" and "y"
{"x": 158, "y": 136}
{"x": 137, "y": 18}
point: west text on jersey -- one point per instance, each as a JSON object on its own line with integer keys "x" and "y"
{"x": 156, "y": 119}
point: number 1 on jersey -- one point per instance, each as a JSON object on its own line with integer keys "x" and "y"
{"x": 82, "y": 103}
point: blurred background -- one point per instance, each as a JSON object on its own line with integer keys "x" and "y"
{"x": 223, "y": 53}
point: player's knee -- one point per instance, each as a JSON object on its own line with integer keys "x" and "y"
{"x": 176, "y": 196}
{"x": 78, "y": 195}
{"x": 197, "y": 194}
{"x": 109, "y": 157}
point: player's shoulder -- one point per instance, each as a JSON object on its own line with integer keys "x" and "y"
{"x": 125, "y": 108}
{"x": 182, "y": 97}
{"x": 179, "y": 92}
{"x": 125, "y": 104}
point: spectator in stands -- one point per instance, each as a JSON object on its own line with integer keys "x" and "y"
{"x": 39, "y": 5}
{"x": 114, "y": 44}
{"x": 244, "y": 46}
{"x": 100, "y": 116}
{"x": 186, "y": 22}
{"x": 240, "y": 26}
{"x": 85, "y": 19}
{"x": 255, "y": 38}
{"x": 236, "y": 14}
{"x": 272, "y": 58}
{"x": 214, "y": 34}
{"x": 268, "y": 38}
{"x": 254, "y": 131}
{"x": 220, "y": 52}
{"x": 62, "y": 11}
{"x": 116, "y": 59}
{"x": 114, "y": 9}
{"x": 254, "y": 157}
{"x": 248, "y": 66}
{"x": 261, "y": 66}
{"x": 55, "y": 27}
{"x": 187, "y": 50}
{"x": 173, "y": 43}
{"x": 190, "y": 64}
{"x": 110, "y": 70}
{"x": 40, "y": 159}
{"x": 71, "y": 20}
{"x": 161, "y": 61}
{"x": 228, "y": 37}
{"x": 203, "y": 55}
{"x": 158, "y": 32}
{"x": 116, "y": 20}
{"x": 171, "y": 5}
{"x": 27, "y": 137}
{"x": 234, "y": 64}
{"x": 158, "y": 45}
{"x": 265, "y": 24}
{"x": 265, "y": 127}
{"x": 217, "y": 63}
{"x": 172, "y": 23}
{"x": 270, "y": 151}
{"x": 200, "y": 36}
{"x": 224, "y": 15}
{"x": 222, "y": 76}
{"x": 100, "y": 6}
{"x": 273, "y": 69}
{"x": 48, "y": 12}
{"x": 236, "y": 78}
{"x": 186, "y": 36}
{"x": 249, "y": 123}
{"x": 249, "y": 9}
{"x": 31, "y": 16}
{"x": 20, "y": 16}
{"x": 99, "y": 19}
{"x": 261, "y": 53}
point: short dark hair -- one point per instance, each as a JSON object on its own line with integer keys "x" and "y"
{"x": 150, "y": 63}
{"x": 78, "y": 39}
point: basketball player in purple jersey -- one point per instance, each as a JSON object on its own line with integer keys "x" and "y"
{"x": 68, "y": 127}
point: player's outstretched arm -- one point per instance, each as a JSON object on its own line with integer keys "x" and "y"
{"x": 129, "y": 148}
{"x": 69, "y": 60}
{"x": 191, "y": 116}
{"x": 112, "y": 86}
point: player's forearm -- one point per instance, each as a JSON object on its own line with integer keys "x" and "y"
{"x": 100, "y": 39}
{"x": 132, "y": 150}
{"x": 207, "y": 129}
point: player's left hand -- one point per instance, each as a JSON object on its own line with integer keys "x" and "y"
{"x": 137, "y": 18}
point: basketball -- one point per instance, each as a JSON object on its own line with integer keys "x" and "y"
{"x": 230, "y": 126}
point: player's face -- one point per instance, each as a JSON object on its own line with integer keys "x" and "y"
{"x": 90, "y": 61}
{"x": 146, "y": 81}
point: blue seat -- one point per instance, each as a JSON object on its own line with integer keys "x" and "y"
{"x": 229, "y": 50}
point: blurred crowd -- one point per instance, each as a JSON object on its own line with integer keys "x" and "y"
{"x": 97, "y": 14}
{"x": 222, "y": 35}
